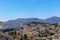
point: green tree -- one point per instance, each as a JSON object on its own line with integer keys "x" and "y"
{"x": 25, "y": 37}
{"x": 21, "y": 37}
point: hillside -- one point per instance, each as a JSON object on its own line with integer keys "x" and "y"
{"x": 23, "y": 21}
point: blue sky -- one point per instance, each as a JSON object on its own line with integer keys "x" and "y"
{"x": 13, "y": 9}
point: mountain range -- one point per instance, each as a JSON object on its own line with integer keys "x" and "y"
{"x": 21, "y": 21}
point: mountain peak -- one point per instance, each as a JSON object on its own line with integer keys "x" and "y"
{"x": 55, "y": 17}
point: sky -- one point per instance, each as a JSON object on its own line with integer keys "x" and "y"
{"x": 14, "y": 9}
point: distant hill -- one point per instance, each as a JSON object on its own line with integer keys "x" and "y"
{"x": 53, "y": 20}
{"x": 21, "y": 21}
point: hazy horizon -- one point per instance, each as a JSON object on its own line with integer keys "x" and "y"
{"x": 42, "y": 9}
{"x": 29, "y": 18}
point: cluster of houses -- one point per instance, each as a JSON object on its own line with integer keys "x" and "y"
{"x": 41, "y": 31}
